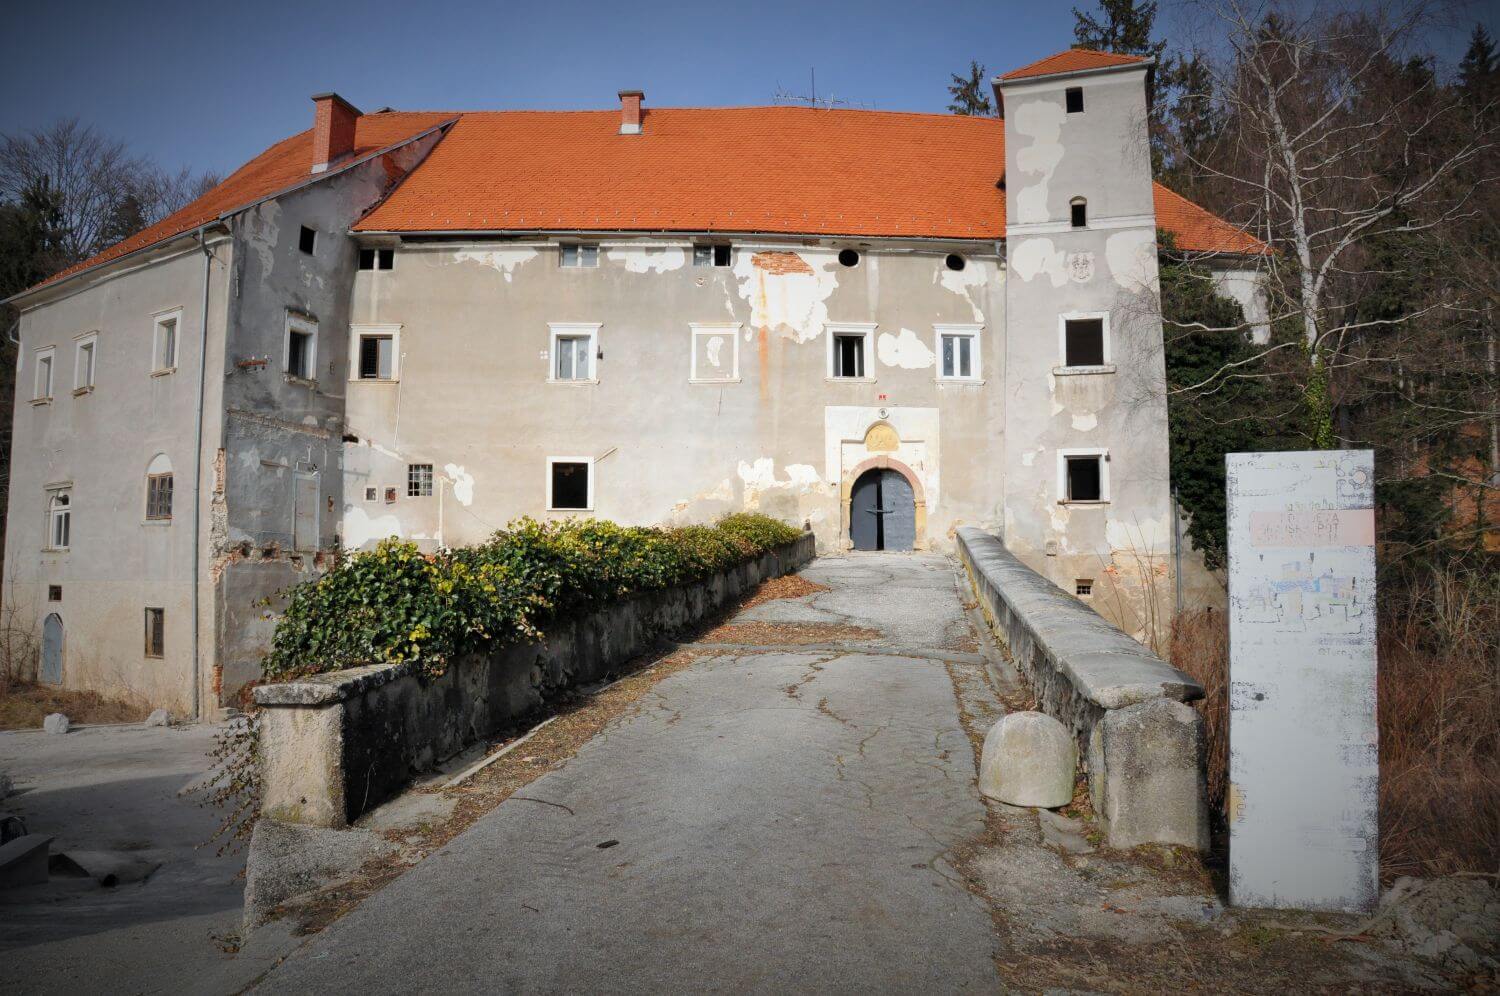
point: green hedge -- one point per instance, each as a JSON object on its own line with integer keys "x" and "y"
{"x": 395, "y": 603}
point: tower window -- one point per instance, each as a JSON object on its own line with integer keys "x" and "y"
{"x": 1074, "y": 96}
{"x": 1083, "y": 342}
{"x": 307, "y": 240}
{"x": 1080, "y": 212}
{"x": 1085, "y": 478}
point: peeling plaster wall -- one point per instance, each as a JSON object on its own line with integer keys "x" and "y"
{"x": 1123, "y": 546}
{"x": 1247, "y": 287}
{"x": 102, "y": 442}
{"x": 474, "y": 397}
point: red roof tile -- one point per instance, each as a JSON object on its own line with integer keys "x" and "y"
{"x": 1193, "y": 228}
{"x": 1072, "y": 61}
{"x": 281, "y": 167}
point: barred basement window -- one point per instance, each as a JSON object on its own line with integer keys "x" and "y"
{"x": 1083, "y": 587}
{"x": 419, "y": 480}
{"x": 159, "y": 496}
{"x": 156, "y": 637}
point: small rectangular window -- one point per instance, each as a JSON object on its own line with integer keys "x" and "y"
{"x": 377, "y": 357}
{"x": 569, "y": 486}
{"x": 1085, "y": 480}
{"x": 84, "y": 363}
{"x": 1083, "y": 342}
{"x": 575, "y": 255}
{"x": 367, "y": 259}
{"x": 385, "y": 259}
{"x": 54, "y": 593}
{"x": 165, "y": 344}
{"x": 1074, "y": 96}
{"x": 42, "y": 387}
{"x": 299, "y": 353}
{"x": 1083, "y": 587}
{"x": 712, "y": 255}
{"x": 372, "y": 494}
{"x": 159, "y": 496}
{"x": 156, "y": 637}
{"x": 958, "y": 356}
{"x": 307, "y": 240}
{"x": 572, "y": 357}
{"x": 419, "y": 480}
{"x": 1080, "y": 214}
{"x": 848, "y": 355}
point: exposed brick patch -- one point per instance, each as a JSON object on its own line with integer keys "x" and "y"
{"x": 780, "y": 262}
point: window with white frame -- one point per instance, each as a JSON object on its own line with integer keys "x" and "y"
{"x": 713, "y": 255}
{"x": 375, "y": 352}
{"x": 85, "y": 357}
{"x": 574, "y": 255}
{"x": 59, "y": 518}
{"x": 1083, "y": 340}
{"x": 1082, "y": 475}
{"x": 958, "y": 351}
{"x": 849, "y": 351}
{"x": 419, "y": 480}
{"x": 574, "y": 349}
{"x": 570, "y": 483}
{"x": 301, "y": 353}
{"x": 46, "y": 359}
{"x": 716, "y": 352}
{"x": 164, "y": 342}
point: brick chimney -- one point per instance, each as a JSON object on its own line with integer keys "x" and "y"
{"x": 333, "y": 129}
{"x": 630, "y": 111}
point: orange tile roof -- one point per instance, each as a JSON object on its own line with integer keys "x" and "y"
{"x": 281, "y": 167}
{"x": 1197, "y": 230}
{"x": 1074, "y": 60}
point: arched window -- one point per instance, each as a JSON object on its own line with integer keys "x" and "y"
{"x": 159, "y": 488}
{"x": 59, "y": 520}
{"x": 1080, "y": 212}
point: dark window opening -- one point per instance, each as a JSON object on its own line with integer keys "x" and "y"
{"x": 574, "y": 255}
{"x": 1083, "y": 342}
{"x": 1080, "y": 213}
{"x": 156, "y": 637}
{"x": 1083, "y": 587}
{"x": 848, "y": 257}
{"x": 367, "y": 259}
{"x": 955, "y": 261}
{"x": 386, "y": 259}
{"x": 570, "y": 485}
{"x": 54, "y": 593}
{"x": 377, "y": 259}
{"x": 376, "y": 357}
{"x": 419, "y": 480}
{"x": 159, "y": 496}
{"x": 1085, "y": 478}
{"x": 372, "y": 494}
{"x": 848, "y": 356}
{"x": 299, "y": 354}
{"x": 307, "y": 240}
{"x": 714, "y": 255}
{"x": 1074, "y": 96}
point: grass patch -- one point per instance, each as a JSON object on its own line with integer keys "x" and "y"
{"x": 23, "y": 706}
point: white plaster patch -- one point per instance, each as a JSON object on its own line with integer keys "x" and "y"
{"x": 1041, "y": 121}
{"x": 713, "y": 347}
{"x": 966, "y": 283}
{"x": 803, "y": 475}
{"x": 785, "y": 298}
{"x": 1035, "y": 257}
{"x": 1085, "y": 422}
{"x": 503, "y": 260}
{"x": 463, "y": 483}
{"x": 1132, "y": 258}
{"x": 643, "y": 259}
{"x": 360, "y": 528}
{"x": 905, "y": 350}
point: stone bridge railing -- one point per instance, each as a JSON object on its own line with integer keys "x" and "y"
{"x": 1142, "y": 745}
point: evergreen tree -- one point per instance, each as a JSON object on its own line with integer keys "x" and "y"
{"x": 1124, "y": 26}
{"x": 1479, "y": 68}
{"x": 970, "y": 93}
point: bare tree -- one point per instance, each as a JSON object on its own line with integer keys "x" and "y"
{"x": 91, "y": 174}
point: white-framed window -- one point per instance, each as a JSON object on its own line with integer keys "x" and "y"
{"x": 957, "y": 348}
{"x": 300, "y": 353}
{"x": 419, "y": 480}
{"x": 575, "y": 255}
{"x": 1083, "y": 341}
{"x": 166, "y": 331}
{"x": 85, "y": 361}
{"x": 719, "y": 254}
{"x": 1082, "y": 476}
{"x": 716, "y": 352}
{"x": 375, "y": 352}
{"x": 574, "y": 350}
{"x": 159, "y": 486}
{"x": 59, "y": 518}
{"x": 46, "y": 360}
{"x": 851, "y": 350}
{"x": 570, "y": 484}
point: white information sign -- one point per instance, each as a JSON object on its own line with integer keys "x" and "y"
{"x": 1303, "y": 758}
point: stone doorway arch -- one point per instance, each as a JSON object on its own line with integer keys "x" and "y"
{"x": 918, "y": 497}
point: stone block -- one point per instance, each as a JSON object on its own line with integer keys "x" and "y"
{"x": 56, "y": 723}
{"x": 1146, "y": 775}
{"x": 159, "y": 717}
{"x": 287, "y": 860}
{"x": 1029, "y": 759}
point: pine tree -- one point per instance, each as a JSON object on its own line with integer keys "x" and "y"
{"x": 1479, "y": 68}
{"x": 1125, "y": 28}
{"x": 969, "y": 96}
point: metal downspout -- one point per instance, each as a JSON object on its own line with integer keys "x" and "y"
{"x": 198, "y": 480}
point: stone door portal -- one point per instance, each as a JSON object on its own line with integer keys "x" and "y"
{"x": 882, "y": 511}
{"x": 52, "y": 649}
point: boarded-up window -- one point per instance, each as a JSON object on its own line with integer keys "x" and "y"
{"x": 156, "y": 636}
{"x": 159, "y": 496}
{"x": 1083, "y": 342}
{"x": 570, "y": 485}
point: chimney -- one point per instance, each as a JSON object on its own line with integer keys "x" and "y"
{"x": 630, "y": 111}
{"x": 333, "y": 129}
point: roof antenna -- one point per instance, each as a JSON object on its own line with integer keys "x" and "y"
{"x": 811, "y": 99}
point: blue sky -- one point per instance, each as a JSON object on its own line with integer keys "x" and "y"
{"x": 208, "y": 85}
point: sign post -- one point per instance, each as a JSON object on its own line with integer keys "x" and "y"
{"x": 1303, "y": 747}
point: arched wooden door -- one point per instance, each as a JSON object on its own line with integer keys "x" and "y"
{"x": 52, "y": 649}
{"x": 882, "y": 511}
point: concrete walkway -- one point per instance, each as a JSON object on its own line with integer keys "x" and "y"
{"x": 777, "y": 817}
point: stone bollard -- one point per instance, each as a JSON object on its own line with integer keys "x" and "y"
{"x": 1146, "y": 775}
{"x": 1029, "y": 759}
{"x": 56, "y": 723}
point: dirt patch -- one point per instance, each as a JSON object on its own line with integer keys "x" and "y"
{"x": 786, "y": 586}
{"x": 24, "y": 706}
{"x": 758, "y": 633}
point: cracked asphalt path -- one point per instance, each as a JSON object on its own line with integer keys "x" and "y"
{"x": 772, "y": 818}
